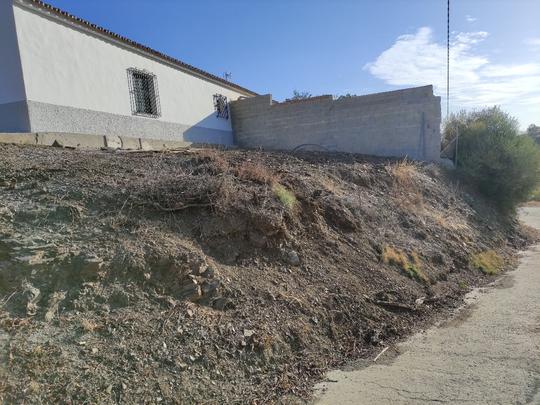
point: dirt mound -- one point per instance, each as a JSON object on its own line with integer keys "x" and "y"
{"x": 221, "y": 277}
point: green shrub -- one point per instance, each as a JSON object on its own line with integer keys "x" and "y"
{"x": 535, "y": 196}
{"x": 504, "y": 165}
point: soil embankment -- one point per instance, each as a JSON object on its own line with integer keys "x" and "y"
{"x": 487, "y": 354}
{"x": 223, "y": 277}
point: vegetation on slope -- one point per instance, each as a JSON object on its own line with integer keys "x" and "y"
{"x": 492, "y": 155}
{"x": 221, "y": 277}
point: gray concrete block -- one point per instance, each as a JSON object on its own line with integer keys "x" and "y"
{"x": 19, "y": 138}
{"x": 153, "y": 144}
{"x": 130, "y": 143}
{"x": 68, "y": 140}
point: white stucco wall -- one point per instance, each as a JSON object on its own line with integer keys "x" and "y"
{"x": 66, "y": 66}
{"x": 11, "y": 81}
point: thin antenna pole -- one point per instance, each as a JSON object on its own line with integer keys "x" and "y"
{"x": 448, "y": 61}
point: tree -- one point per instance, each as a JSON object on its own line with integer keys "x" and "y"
{"x": 534, "y": 132}
{"x": 504, "y": 165}
{"x": 299, "y": 95}
{"x": 346, "y": 96}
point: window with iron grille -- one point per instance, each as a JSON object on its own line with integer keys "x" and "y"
{"x": 144, "y": 94}
{"x": 221, "y": 105}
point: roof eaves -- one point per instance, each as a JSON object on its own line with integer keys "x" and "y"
{"x": 126, "y": 41}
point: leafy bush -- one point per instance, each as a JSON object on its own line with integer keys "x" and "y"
{"x": 504, "y": 165}
{"x": 535, "y": 196}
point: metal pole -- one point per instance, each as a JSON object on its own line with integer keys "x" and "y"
{"x": 448, "y": 60}
{"x": 457, "y": 145}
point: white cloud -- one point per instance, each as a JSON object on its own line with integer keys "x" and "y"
{"x": 533, "y": 43}
{"x": 470, "y": 18}
{"x": 416, "y": 60}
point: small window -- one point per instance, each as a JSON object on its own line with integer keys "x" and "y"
{"x": 221, "y": 105}
{"x": 144, "y": 93}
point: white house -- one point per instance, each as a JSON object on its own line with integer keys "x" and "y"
{"x": 59, "y": 73}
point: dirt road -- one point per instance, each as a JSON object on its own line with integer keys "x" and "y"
{"x": 488, "y": 354}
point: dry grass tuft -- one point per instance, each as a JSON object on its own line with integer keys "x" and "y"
{"x": 89, "y": 326}
{"x": 489, "y": 262}
{"x": 394, "y": 257}
{"x": 256, "y": 172}
{"x": 407, "y": 191}
{"x": 217, "y": 159}
{"x": 413, "y": 267}
{"x": 404, "y": 173}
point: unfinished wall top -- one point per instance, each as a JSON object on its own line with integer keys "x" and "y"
{"x": 395, "y": 123}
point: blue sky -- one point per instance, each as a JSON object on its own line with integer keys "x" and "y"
{"x": 345, "y": 46}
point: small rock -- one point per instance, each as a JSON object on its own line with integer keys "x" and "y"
{"x": 198, "y": 267}
{"x": 292, "y": 258}
{"x": 94, "y": 350}
{"x": 190, "y": 291}
{"x": 209, "y": 273}
{"x": 189, "y": 313}
{"x": 222, "y": 303}
{"x": 248, "y": 332}
{"x": 210, "y": 287}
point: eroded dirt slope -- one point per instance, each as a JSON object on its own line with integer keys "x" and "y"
{"x": 221, "y": 277}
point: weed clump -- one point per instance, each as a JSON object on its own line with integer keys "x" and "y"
{"x": 394, "y": 257}
{"x": 489, "y": 262}
{"x": 407, "y": 191}
{"x": 287, "y": 198}
{"x": 256, "y": 172}
{"x": 411, "y": 267}
{"x": 404, "y": 173}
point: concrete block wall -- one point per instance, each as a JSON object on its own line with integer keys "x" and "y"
{"x": 396, "y": 123}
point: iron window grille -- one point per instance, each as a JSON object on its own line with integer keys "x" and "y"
{"x": 222, "y": 106}
{"x": 144, "y": 94}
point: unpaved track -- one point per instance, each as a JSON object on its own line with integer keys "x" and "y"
{"x": 488, "y": 354}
